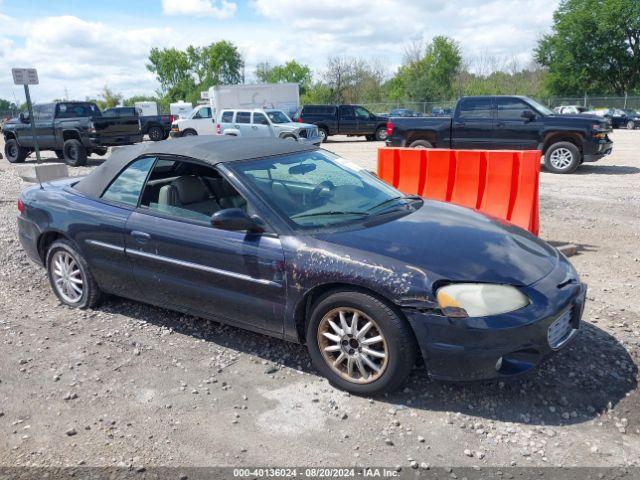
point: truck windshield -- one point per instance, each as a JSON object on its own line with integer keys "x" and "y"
{"x": 277, "y": 116}
{"x": 539, "y": 107}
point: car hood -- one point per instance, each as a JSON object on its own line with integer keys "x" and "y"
{"x": 447, "y": 242}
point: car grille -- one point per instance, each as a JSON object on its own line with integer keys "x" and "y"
{"x": 560, "y": 330}
{"x": 309, "y": 132}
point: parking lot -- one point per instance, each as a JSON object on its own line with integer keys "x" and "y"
{"x": 133, "y": 385}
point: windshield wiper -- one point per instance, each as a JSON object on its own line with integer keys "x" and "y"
{"x": 393, "y": 199}
{"x": 330, "y": 212}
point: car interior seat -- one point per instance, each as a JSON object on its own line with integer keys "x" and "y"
{"x": 188, "y": 193}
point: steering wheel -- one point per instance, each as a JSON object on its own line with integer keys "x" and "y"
{"x": 324, "y": 185}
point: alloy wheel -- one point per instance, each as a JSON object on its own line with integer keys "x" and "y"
{"x": 67, "y": 276}
{"x": 12, "y": 150}
{"x": 353, "y": 345}
{"x": 561, "y": 158}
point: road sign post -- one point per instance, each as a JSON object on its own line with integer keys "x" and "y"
{"x": 26, "y": 77}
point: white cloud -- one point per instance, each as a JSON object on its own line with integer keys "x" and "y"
{"x": 199, "y": 8}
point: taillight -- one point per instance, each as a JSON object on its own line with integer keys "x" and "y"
{"x": 389, "y": 128}
{"x": 171, "y": 119}
{"x": 300, "y": 119}
{"x": 218, "y": 129}
{"x": 20, "y": 206}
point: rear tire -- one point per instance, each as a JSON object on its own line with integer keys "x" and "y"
{"x": 381, "y": 134}
{"x": 14, "y": 152}
{"x": 156, "y": 134}
{"x": 562, "y": 157}
{"x": 75, "y": 155}
{"x": 420, "y": 144}
{"x": 631, "y": 125}
{"x": 389, "y": 359}
{"x": 69, "y": 276}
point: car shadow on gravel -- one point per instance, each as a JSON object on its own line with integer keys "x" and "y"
{"x": 606, "y": 170}
{"x": 582, "y": 381}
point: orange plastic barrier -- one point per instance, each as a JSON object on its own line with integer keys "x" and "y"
{"x": 501, "y": 183}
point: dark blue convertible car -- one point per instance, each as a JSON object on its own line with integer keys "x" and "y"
{"x": 292, "y": 241}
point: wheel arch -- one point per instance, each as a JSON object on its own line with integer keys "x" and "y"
{"x": 302, "y": 312}
{"x": 46, "y": 239}
{"x": 70, "y": 135}
{"x": 570, "y": 137}
{"x": 9, "y": 136}
{"x": 421, "y": 135}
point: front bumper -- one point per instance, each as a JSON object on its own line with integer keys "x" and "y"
{"x": 503, "y": 345}
{"x": 175, "y": 133}
{"x": 594, "y": 151}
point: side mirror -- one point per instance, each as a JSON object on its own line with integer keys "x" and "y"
{"x": 24, "y": 118}
{"x": 528, "y": 115}
{"x": 235, "y": 219}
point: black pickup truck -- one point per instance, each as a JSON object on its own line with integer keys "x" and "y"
{"x": 508, "y": 123}
{"x": 156, "y": 126}
{"x": 350, "y": 120}
{"x": 73, "y": 130}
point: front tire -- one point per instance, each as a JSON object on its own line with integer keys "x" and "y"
{"x": 189, "y": 133}
{"x": 69, "y": 276}
{"x": 631, "y": 125}
{"x": 75, "y": 155}
{"x": 360, "y": 343}
{"x": 59, "y": 154}
{"x": 324, "y": 134}
{"x": 14, "y": 153}
{"x": 562, "y": 157}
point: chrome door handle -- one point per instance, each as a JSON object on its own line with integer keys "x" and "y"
{"x": 254, "y": 127}
{"x": 140, "y": 237}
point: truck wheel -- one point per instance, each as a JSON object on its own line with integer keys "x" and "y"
{"x": 75, "y": 155}
{"x": 420, "y": 144}
{"x": 370, "y": 138}
{"x": 562, "y": 157}
{"x": 381, "y": 134}
{"x": 156, "y": 134}
{"x": 14, "y": 152}
{"x": 59, "y": 154}
{"x": 360, "y": 343}
{"x": 189, "y": 133}
{"x": 324, "y": 134}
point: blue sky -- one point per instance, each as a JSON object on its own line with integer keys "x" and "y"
{"x": 79, "y": 46}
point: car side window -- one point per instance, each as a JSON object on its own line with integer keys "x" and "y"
{"x": 204, "y": 112}
{"x": 346, "y": 111}
{"x": 475, "y": 109}
{"x": 511, "y": 108}
{"x": 127, "y": 186}
{"x": 260, "y": 119}
{"x": 243, "y": 117}
{"x": 226, "y": 117}
{"x": 362, "y": 113}
{"x": 189, "y": 191}
{"x": 44, "y": 112}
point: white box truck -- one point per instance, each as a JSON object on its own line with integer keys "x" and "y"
{"x": 202, "y": 119}
{"x": 180, "y": 109}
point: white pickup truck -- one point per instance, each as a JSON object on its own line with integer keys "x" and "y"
{"x": 199, "y": 122}
{"x": 258, "y": 122}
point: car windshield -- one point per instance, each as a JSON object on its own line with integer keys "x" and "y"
{"x": 278, "y": 116}
{"x": 318, "y": 189}
{"x": 539, "y": 107}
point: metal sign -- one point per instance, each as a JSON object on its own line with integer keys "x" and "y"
{"x": 25, "y": 76}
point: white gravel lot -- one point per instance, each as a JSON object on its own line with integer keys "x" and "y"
{"x": 128, "y": 384}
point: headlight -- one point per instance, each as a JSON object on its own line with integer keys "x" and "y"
{"x": 480, "y": 299}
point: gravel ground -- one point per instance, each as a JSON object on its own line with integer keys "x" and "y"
{"x": 137, "y": 386}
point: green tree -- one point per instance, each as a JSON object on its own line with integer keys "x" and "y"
{"x": 183, "y": 74}
{"x": 290, "y": 72}
{"x": 110, "y": 98}
{"x": 594, "y": 47}
{"x": 7, "y": 106}
{"x": 432, "y": 76}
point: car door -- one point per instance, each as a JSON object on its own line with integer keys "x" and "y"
{"x": 101, "y": 230}
{"x": 260, "y": 125}
{"x": 472, "y": 125}
{"x": 206, "y": 124}
{"x": 366, "y": 121}
{"x": 512, "y": 131}
{"x": 181, "y": 261}
{"x": 347, "y": 121}
{"x": 243, "y": 123}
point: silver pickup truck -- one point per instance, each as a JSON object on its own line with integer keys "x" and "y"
{"x": 264, "y": 123}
